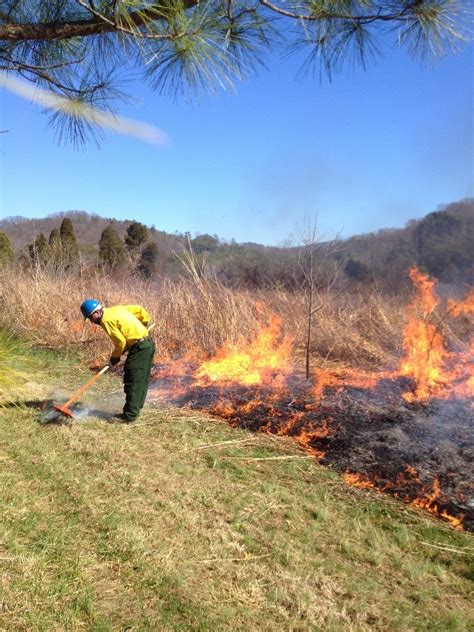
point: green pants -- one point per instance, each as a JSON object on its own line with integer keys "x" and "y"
{"x": 136, "y": 376}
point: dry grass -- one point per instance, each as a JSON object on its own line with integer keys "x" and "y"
{"x": 199, "y": 316}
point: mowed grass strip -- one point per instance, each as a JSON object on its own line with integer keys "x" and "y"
{"x": 183, "y": 523}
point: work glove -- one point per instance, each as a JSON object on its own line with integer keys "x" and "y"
{"x": 113, "y": 361}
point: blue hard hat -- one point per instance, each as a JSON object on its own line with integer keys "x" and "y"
{"x": 89, "y": 306}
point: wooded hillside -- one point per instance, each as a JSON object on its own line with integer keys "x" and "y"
{"x": 441, "y": 244}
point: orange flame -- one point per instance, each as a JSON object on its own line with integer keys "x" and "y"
{"x": 424, "y": 352}
{"x": 357, "y": 480}
{"x": 250, "y": 363}
{"x": 410, "y": 475}
{"x": 466, "y": 306}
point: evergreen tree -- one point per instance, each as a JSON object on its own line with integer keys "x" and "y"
{"x": 56, "y": 248}
{"x": 111, "y": 250}
{"x": 6, "y": 251}
{"x": 70, "y": 249}
{"x": 39, "y": 251}
{"x": 148, "y": 259}
{"x": 135, "y": 237}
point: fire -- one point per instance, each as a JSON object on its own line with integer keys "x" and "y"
{"x": 250, "y": 363}
{"x": 424, "y": 352}
{"x": 357, "y": 480}
{"x": 323, "y": 379}
{"x": 466, "y": 306}
{"x": 428, "y": 502}
{"x": 253, "y": 384}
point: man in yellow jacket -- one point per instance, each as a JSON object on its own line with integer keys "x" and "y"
{"x": 126, "y": 326}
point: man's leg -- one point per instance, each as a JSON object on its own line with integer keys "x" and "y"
{"x": 146, "y": 383}
{"x": 135, "y": 380}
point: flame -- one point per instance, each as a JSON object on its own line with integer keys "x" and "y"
{"x": 424, "y": 352}
{"x": 428, "y": 502}
{"x": 252, "y": 362}
{"x": 466, "y": 306}
{"x": 357, "y": 480}
{"x": 322, "y": 380}
{"x": 435, "y": 371}
{"x": 253, "y": 384}
{"x": 339, "y": 380}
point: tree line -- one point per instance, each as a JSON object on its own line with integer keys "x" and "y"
{"x": 439, "y": 244}
{"x": 61, "y": 251}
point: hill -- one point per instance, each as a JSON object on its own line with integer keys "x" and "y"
{"x": 440, "y": 244}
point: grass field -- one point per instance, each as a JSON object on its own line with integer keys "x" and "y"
{"x": 183, "y": 523}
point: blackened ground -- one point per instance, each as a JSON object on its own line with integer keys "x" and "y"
{"x": 404, "y": 449}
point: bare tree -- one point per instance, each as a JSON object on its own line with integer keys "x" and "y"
{"x": 313, "y": 253}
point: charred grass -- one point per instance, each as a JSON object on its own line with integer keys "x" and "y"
{"x": 183, "y": 523}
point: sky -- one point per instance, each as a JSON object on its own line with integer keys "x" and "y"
{"x": 370, "y": 150}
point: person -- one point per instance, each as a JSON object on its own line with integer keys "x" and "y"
{"x": 126, "y": 326}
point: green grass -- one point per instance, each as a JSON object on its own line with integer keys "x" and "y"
{"x": 183, "y": 523}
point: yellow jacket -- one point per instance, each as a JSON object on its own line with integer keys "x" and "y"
{"x": 125, "y": 324}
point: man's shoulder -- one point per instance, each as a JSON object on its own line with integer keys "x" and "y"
{"x": 120, "y": 311}
{"x": 114, "y": 311}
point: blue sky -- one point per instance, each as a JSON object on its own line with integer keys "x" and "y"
{"x": 370, "y": 150}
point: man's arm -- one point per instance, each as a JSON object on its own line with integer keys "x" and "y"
{"x": 116, "y": 337}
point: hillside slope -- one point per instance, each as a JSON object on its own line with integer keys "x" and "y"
{"x": 440, "y": 244}
{"x": 183, "y": 523}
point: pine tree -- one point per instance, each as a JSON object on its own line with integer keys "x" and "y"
{"x": 135, "y": 237}
{"x": 6, "y": 250}
{"x": 39, "y": 251}
{"x": 77, "y": 47}
{"x": 111, "y": 250}
{"x": 148, "y": 259}
{"x": 70, "y": 249}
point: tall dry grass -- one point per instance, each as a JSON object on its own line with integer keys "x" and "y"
{"x": 196, "y": 315}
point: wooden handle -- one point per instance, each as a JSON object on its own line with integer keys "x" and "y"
{"x": 86, "y": 386}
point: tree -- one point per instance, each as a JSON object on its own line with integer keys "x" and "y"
{"x": 357, "y": 270}
{"x": 76, "y": 47}
{"x": 6, "y": 251}
{"x": 311, "y": 256}
{"x": 69, "y": 247}
{"x": 111, "y": 250}
{"x": 148, "y": 259}
{"x": 205, "y": 243}
{"x": 39, "y": 251}
{"x": 56, "y": 248}
{"x": 443, "y": 245}
{"x": 135, "y": 237}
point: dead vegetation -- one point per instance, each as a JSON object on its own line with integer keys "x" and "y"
{"x": 198, "y": 315}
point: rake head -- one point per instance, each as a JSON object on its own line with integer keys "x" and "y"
{"x": 64, "y": 411}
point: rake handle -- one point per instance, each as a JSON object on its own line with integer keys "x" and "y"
{"x": 91, "y": 381}
{"x": 85, "y": 386}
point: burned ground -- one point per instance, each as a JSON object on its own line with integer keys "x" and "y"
{"x": 422, "y": 453}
